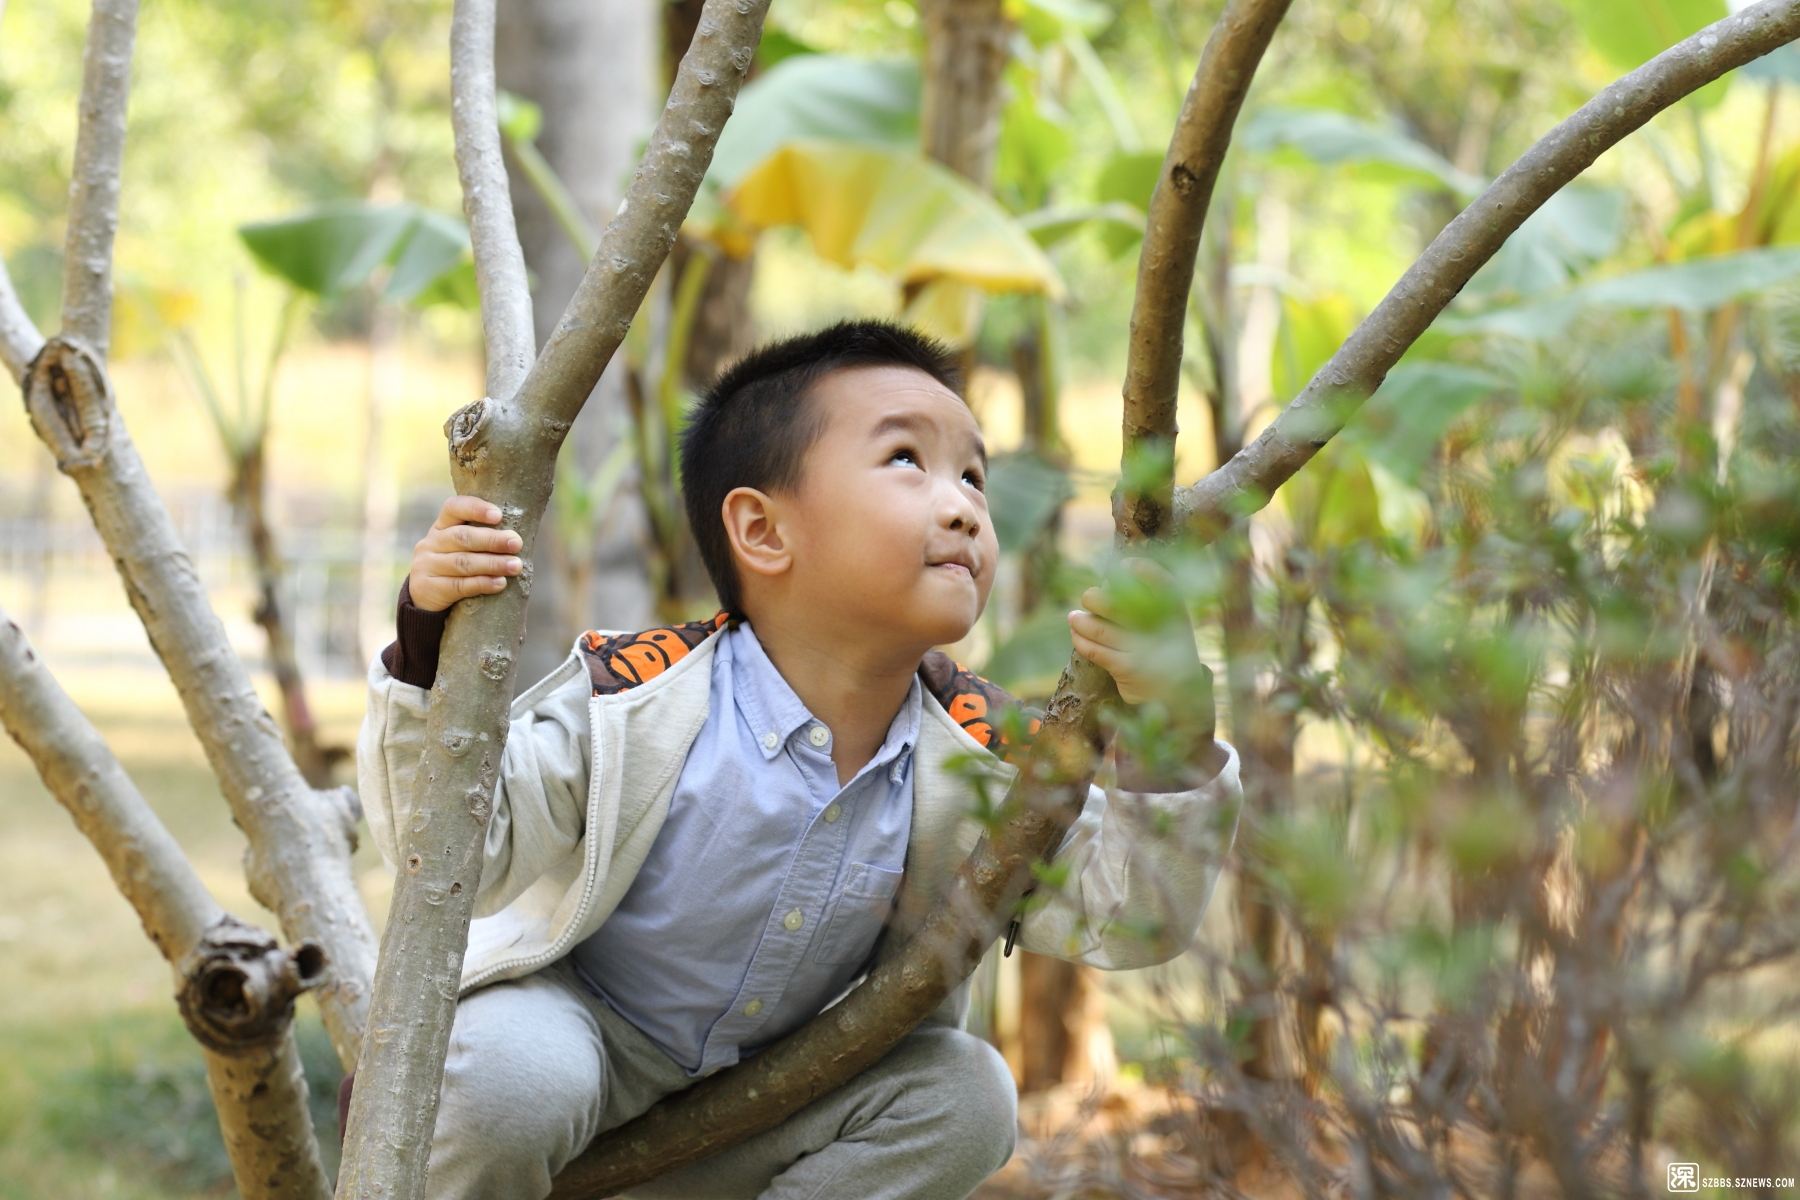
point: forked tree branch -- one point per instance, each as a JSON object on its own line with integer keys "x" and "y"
{"x": 913, "y": 975}
{"x": 487, "y": 199}
{"x": 298, "y": 864}
{"x": 1246, "y": 483}
{"x": 1172, "y": 229}
{"x": 94, "y": 180}
{"x": 504, "y": 449}
{"x": 235, "y": 986}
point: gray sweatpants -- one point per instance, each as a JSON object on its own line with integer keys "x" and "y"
{"x": 538, "y": 1066}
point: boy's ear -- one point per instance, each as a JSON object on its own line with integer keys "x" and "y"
{"x": 752, "y": 522}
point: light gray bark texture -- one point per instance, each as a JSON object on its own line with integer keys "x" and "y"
{"x": 235, "y": 987}
{"x": 94, "y": 181}
{"x": 298, "y": 862}
{"x": 1246, "y": 483}
{"x": 504, "y": 448}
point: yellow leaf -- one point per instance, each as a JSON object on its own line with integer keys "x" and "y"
{"x": 895, "y": 211}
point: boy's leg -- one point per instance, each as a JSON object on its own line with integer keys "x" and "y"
{"x": 525, "y": 1084}
{"x": 930, "y": 1121}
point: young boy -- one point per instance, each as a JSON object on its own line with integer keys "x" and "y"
{"x": 699, "y": 832}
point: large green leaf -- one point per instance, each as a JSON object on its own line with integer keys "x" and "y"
{"x": 893, "y": 210}
{"x": 1576, "y": 227}
{"x": 1698, "y": 285}
{"x": 870, "y": 101}
{"x": 1334, "y": 138}
{"x": 1127, "y": 178}
{"x": 331, "y": 250}
{"x": 1023, "y": 492}
{"x": 1629, "y": 33}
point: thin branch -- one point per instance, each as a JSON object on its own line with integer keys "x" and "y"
{"x": 487, "y": 200}
{"x": 94, "y": 180}
{"x": 504, "y": 448}
{"x": 236, "y": 987}
{"x": 300, "y": 839}
{"x": 1172, "y": 229}
{"x": 1319, "y": 412}
{"x": 20, "y": 340}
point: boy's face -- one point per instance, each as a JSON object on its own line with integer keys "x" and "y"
{"x": 890, "y": 500}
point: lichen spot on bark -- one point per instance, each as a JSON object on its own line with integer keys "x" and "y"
{"x": 1184, "y": 180}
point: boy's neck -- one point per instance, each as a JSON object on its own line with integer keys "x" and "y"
{"x": 854, "y": 685}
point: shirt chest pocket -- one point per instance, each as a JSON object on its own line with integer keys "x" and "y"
{"x": 857, "y": 915}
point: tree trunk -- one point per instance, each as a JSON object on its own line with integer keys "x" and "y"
{"x": 504, "y": 447}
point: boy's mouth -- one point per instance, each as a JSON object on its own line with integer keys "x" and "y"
{"x": 955, "y": 568}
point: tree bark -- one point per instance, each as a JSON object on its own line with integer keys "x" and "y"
{"x": 504, "y": 448}
{"x": 235, "y": 986}
{"x": 1337, "y": 390}
{"x": 298, "y": 864}
{"x": 94, "y": 179}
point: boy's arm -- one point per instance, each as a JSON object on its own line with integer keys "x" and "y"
{"x": 538, "y": 807}
{"x": 1133, "y": 876}
{"x": 540, "y": 799}
{"x": 1134, "y": 873}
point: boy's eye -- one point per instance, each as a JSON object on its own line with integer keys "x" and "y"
{"x": 974, "y": 477}
{"x": 904, "y": 453}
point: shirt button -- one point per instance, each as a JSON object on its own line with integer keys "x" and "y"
{"x": 794, "y": 920}
{"x": 769, "y": 740}
{"x": 832, "y": 813}
{"x": 752, "y": 1008}
{"x": 818, "y": 735}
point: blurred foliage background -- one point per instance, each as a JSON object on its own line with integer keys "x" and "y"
{"x": 1522, "y": 639}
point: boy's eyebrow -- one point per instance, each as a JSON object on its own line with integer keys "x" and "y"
{"x": 918, "y": 424}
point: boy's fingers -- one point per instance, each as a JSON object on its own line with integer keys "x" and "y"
{"x": 459, "y": 509}
{"x": 477, "y": 537}
{"x": 478, "y": 585}
{"x": 1086, "y": 625}
{"x": 1101, "y": 656}
{"x": 1096, "y": 601}
{"x": 460, "y": 564}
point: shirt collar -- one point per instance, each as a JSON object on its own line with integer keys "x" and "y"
{"x": 769, "y": 704}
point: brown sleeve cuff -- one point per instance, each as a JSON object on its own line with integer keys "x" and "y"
{"x": 413, "y": 656}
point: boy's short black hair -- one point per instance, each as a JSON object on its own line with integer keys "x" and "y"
{"x": 754, "y": 425}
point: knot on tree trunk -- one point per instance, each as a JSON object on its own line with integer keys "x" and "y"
{"x": 70, "y": 402}
{"x": 467, "y": 430}
{"x": 238, "y": 986}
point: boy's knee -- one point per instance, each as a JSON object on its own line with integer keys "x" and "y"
{"x": 979, "y": 1098}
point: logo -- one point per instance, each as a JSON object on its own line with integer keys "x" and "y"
{"x": 1684, "y": 1177}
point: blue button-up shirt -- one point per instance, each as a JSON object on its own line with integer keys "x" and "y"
{"x": 768, "y": 884}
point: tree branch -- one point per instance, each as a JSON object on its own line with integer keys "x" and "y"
{"x": 504, "y": 448}
{"x": 94, "y": 180}
{"x": 298, "y": 863}
{"x": 1243, "y": 485}
{"x": 914, "y": 974}
{"x": 236, "y": 987}
{"x": 20, "y": 340}
{"x": 487, "y": 199}
{"x": 1172, "y": 231}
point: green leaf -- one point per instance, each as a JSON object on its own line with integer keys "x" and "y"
{"x": 1034, "y": 147}
{"x": 331, "y": 250}
{"x": 1629, "y": 33}
{"x": 1576, "y": 227}
{"x": 1048, "y": 226}
{"x": 1033, "y": 655}
{"x": 1696, "y": 286}
{"x": 1127, "y": 178}
{"x": 1403, "y": 422}
{"x": 1024, "y": 492}
{"x": 871, "y": 102}
{"x": 1333, "y": 138}
{"x": 1045, "y": 21}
